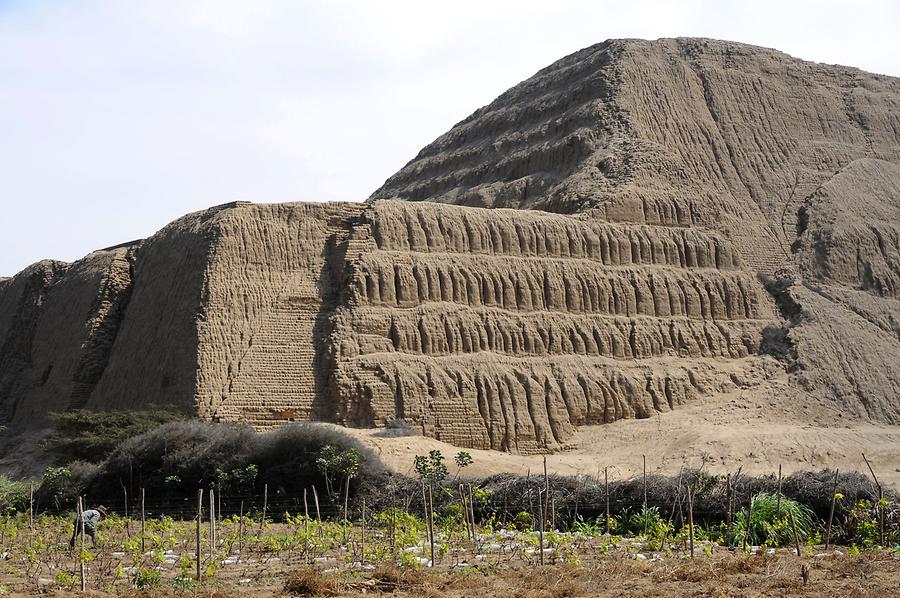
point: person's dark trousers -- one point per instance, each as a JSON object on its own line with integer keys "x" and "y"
{"x": 88, "y": 531}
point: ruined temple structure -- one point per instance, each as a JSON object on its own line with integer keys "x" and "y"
{"x": 637, "y": 226}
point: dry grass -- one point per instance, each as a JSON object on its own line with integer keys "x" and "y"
{"x": 308, "y": 581}
{"x": 389, "y": 577}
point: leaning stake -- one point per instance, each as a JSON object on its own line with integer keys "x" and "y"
{"x": 794, "y": 531}
{"x": 880, "y": 502}
{"x": 831, "y": 512}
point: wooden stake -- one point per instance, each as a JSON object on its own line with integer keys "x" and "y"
{"x": 318, "y": 513}
{"x": 241, "y": 533}
{"x": 880, "y": 500}
{"x": 690, "y": 497}
{"x": 199, "y": 523}
{"x": 212, "y": 525}
{"x": 346, "y": 497}
{"x": 362, "y": 547}
{"x": 306, "y": 525}
{"x": 127, "y": 519}
{"x": 646, "y": 512}
{"x": 749, "y": 523}
{"x": 81, "y": 552}
{"x": 672, "y": 512}
{"x": 464, "y": 502}
{"x": 472, "y": 509}
{"x": 728, "y": 500}
{"x": 794, "y": 531}
{"x": 265, "y": 504}
{"x": 316, "y": 500}
{"x": 143, "y": 523}
{"x": 606, "y": 492}
{"x": 778, "y": 501}
{"x": 431, "y": 522}
{"x": 545, "y": 504}
{"x": 394, "y": 533}
{"x": 541, "y": 529}
{"x": 831, "y": 512}
{"x": 31, "y": 508}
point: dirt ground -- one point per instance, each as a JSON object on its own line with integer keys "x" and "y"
{"x": 871, "y": 574}
{"x": 752, "y": 428}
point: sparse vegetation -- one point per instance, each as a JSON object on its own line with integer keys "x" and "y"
{"x": 92, "y": 435}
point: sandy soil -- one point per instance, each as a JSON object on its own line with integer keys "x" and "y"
{"x": 753, "y": 428}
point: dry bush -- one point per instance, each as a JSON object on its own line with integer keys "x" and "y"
{"x": 389, "y": 577}
{"x": 308, "y": 581}
{"x": 193, "y": 450}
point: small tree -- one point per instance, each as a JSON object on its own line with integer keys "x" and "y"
{"x": 334, "y": 463}
{"x": 431, "y": 468}
{"x": 432, "y": 471}
{"x": 463, "y": 459}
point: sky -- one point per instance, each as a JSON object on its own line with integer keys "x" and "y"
{"x": 116, "y": 117}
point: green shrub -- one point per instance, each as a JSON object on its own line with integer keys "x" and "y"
{"x": 13, "y": 495}
{"x": 770, "y": 527}
{"x": 523, "y": 520}
{"x": 147, "y": 579}
{"x": 92, "y": 435}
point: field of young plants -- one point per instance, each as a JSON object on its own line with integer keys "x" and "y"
{"x": 391, "y": 551}
{"x": 328, "y": 523}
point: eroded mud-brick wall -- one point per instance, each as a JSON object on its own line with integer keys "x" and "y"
{"x": 506, "y": 329}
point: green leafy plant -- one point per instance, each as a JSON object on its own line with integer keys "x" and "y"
{"x": 147, "y": 579}
{"x": 523, "y": 520}
{"x": 462, "y": 460}
{"x": 431, "y": 468}
{"x": 770, "y": 526}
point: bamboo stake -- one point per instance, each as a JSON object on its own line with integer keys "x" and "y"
{"x": 749, "y": 524}
{"x": 346, "y": 497}
{"x": 646, "y": 512}
{"x": 606, "y": 492}
{"x": 778, "y": 501}
{"x": 545, "y": 505}
{"x": 362, "y": 547}
{"x": 318, "y": 513}
{"x": 794, "y": 531}
{"x": 728, "y": 500}
{"x": 262, "y": 521}
{"x": 880, "y": 507}
{"x": 31, "y": 508}
{"x": 431, "y": 522}
{"x": 394, "y": 533}
{"x": 306, "y": 525}
{"x": 425, "y": 515}
{"x": 831, "y": 512}
{"x": 127, "y": 519}
{"x": 672, "y": 513}
{"x": 464, "y": 502}
{"x": 241, "y": 533}
{"x": 143, "y": 523}
{"x": 690, "y": 497}
{"x": 199, "y": 523}
{"x": 472, "y": 509}
{"x": 212, "y": 525}
{"x": 541, "y": 530}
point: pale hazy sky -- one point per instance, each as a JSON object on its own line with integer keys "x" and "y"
{"x": 117, "y": 117}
